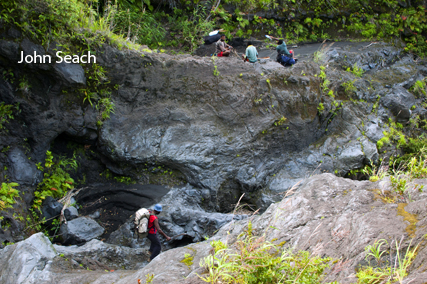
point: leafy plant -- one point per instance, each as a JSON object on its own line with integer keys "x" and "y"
{"x": 8, "y": 193}
{"x": 149, "y": 278}
{"x": 356, "y": 70}
{"x": 188, "y": 260}
{"x": 375, "y": 250}
{"x": 215, "y": 72}
{"x": 349, "y": 86}
{"x": 254, "y": 260}
{"x": 420, "y": 87}
{"x": 320, "y": 108}
{"x": 389, "y": 274}
{"x": 280, "y": 122}
{"x": 6, "y": 113}
{"x": 56, "y": 178}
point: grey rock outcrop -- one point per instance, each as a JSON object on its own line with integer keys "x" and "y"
{"x": 182, "y": 218}
{"x": 332, "y": 216}
{"x": 71, "y": 213}
{"x": 28, "y": 261}
{"x": 326, "y": 215}
{"x": 80, "y": 230}
{"x": 106, "y": 256}
{"x": 51, "y": 208}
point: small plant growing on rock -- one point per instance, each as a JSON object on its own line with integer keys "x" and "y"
{"x": 57, "y": 180}
{"x": 320, "y": 108}
{"x": 6, "y": 113}
{"x": 148, "y": 278}
{"x": 375, "y": 250}
{"x": 8, "y": 193}
{"x": 420, "y": 87}
{"x": 390, "y": 274}
{"x": 253, "y": 259}
{"x": 188, "y": 260}
{"x": 215, "y": 72}
{"x": 349, "y": 86}
{"x": 355, "y": 70}
{"x": 280, "y": 122}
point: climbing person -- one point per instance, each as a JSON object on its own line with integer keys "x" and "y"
{"x": 222, "y": 48}
{"x": 153, "y": 228}
{"x": 251, "y": 54}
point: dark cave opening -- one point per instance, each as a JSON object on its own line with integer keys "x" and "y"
{"x": 181, "y": 241}
{"x": 117, "y": 202}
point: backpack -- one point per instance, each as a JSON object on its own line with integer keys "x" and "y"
{"x": 286, "y": 61}
{"x": 211, "y": 39}
{"x": 141, "y": 222}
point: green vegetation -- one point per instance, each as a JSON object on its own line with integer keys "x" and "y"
{"x": 320, "y": 108}
{"x": 182, "y": 24}
{"x": 215, "y": 71}
{"x": 8, "y": 193}
{"x": 122, "y": 179}
{"x": 253, "y": 259}
{"x": 56, "y": 178}
{"x": 393, "y": 272}
{"x": 149, "y": 278}
{"x": 355, "y": 70}
{"x": 420, "y": 87}
{"x": 188, "y": 260}
{"x": 6, "y": 113}
{"x": 280, "y": 122}
{"x": 349, "y": 86}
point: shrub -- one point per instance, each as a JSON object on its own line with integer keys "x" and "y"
{"x": 56, "y": 178}
{"x": 255, "y": 260}
{"x": 6, "y": 113}
{"x": 7, "y": 195}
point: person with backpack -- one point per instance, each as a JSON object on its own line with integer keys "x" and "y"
{"x": 153, "y": 229}
{"x": 284, "y": 56}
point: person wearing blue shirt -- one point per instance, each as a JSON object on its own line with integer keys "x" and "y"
{"x": 251, "y": 54}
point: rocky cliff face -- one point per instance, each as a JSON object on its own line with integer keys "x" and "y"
{"x": 224, "y": 127}
{"x": 246, "y": 130}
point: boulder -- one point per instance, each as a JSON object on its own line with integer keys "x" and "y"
{"x": 51, "y": 208}
{"x": 71, "y": 213}
{"x": 28, "y": 261}
{"x": 71, "y": 73}
{"x": 22, "y": 170}
{"x": 80, "y": 230}
{"x": 108, "y": 256}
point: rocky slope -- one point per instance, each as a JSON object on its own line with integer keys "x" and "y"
{"x": 327, "y": 215}
{"x": 210, "y": 130}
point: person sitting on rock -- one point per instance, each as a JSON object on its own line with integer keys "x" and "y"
{"x": 251, "y": 54}
{"x": 222, "y": 48}
{"x": 153, "y": 228}
{"x": 284, "y": 56}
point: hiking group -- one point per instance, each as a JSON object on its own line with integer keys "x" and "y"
{"x": 284, "y": 56}
{"x": 147, "y": 225}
